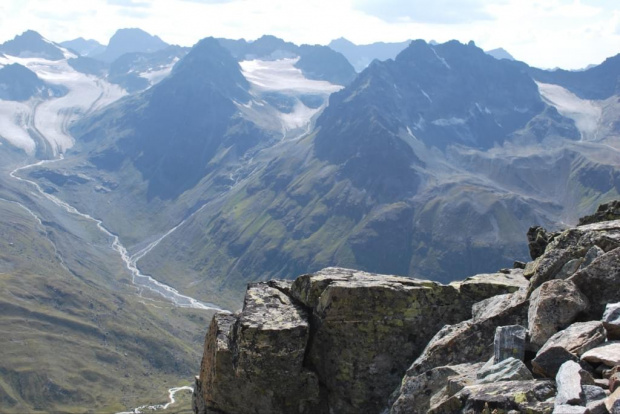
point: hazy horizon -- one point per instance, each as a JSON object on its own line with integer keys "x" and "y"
{"x": 570, "y": 34}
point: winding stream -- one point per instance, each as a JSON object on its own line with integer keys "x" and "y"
{"x": 171, "y": 393}
{"x": 139, "y": 279}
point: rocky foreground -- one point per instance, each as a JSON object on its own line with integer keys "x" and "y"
{"x": 543, "y": 337}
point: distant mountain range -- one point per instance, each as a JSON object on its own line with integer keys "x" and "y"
{"x": 236, "y": 161}
{"x": 361, "y": 56}
{"x": 84, "y": 47}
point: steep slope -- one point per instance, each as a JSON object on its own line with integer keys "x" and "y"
{"x": 130, "y": 41}
{"x": 444, "y": 149}
{"x": 445, "y": 94}
{"x": 138, "y": 71}
{"x": 18, "y": 83}
{"x": 599, "y": 82}
{"x": 31, "y": 44}
{"x": 441, "y": 150}
{"x": 177, "y": 127}
{"x": 500, "y": 53}
{"x": 77, "y": 335}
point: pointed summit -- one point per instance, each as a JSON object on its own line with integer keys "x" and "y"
{"x": 32, "y": 44}
{"x": 500, "y": 53}
{"x": 129, "y": 41}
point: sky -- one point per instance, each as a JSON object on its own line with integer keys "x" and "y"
{"x": 570, "y": 34}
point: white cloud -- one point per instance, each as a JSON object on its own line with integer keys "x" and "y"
{"x": 545, "y": 33}
{"x": 423, "y": 11}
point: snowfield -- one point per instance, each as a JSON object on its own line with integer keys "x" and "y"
{"x": 155, "y": 76}
{"x": 585, "y": 113}
{"x": 50, "y": 118}
{"x": 282, "y": 77}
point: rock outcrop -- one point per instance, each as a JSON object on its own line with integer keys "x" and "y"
{"x": 527, "y": 340}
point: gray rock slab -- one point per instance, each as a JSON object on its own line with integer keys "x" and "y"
{"x": 368, "y": 328}
{"x": 418, "y": 393}
{"x": 521, "y": 396}
{"x": 608, "y": 354}
{"x": 547, "y": 266}
{"x": 570, "y": 409}
{"x": 470, "y": 341}
{"x": 569, "y": 269}
{"x": 548, "y": 362}
{"x": 509, "y": 342}
{"x": 509, "y": 369}
{"x": 569, "y": 380}
{"x": 487, "y": 285}
{"x": 578, "y": 338}
{"x": 253, "y": 362}
{"x": 495, "y": 305}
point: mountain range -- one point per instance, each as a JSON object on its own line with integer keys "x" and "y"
{"x": 238, "y": 161}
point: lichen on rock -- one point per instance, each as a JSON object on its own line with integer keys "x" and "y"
{"x": 346, "y": 341}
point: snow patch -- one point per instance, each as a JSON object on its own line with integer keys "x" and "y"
{"x": 281, "y": 75}
{"x": 15, "y": 118}
{"x": 51, "y": 118}
{"x": 444, "y": 122}
{"x": 483, "y": 110}
{"x": 298, "y": 118}
{"x": 157, "y": 75}
{"x": 584, "y": 112}
{"x": 442, "y": 60}
{"x": 426, "y": 95}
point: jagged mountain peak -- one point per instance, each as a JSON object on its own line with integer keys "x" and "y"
{"x": 85, "y": 47}
{"x": 361, "y": 56}
{"x": 32, "y": 44}
{"x": 341, "y": 41}
{"x": 210, "y": 63}
{"x": 500, "y": 53}
{"x": 131, "y": 40}
{"x": 445, "y": 94}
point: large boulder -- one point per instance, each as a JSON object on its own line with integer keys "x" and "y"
{"x": 509, "y": 369}
{"x": 578, "y": 338}
{"x": 509, "y": 343}
{"x": 567, "y": 345}
{"x": 472, "y": 340}
{"x": 607, "y": 353}
{"x": 605, "y": 212}
{"x": 572, "y": 250}
{"x": 419, "y": 393}
{"x": 600, "y": 282}
{"x": 483, "y": 286}
{"x": 553, "y": 306}
{"x": 253, "y": 361}
{"x": 368, "y": 328}
{"x": 569, "y": 381}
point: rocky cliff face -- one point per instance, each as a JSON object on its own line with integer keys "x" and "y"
{"x": 540, "y": 338}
